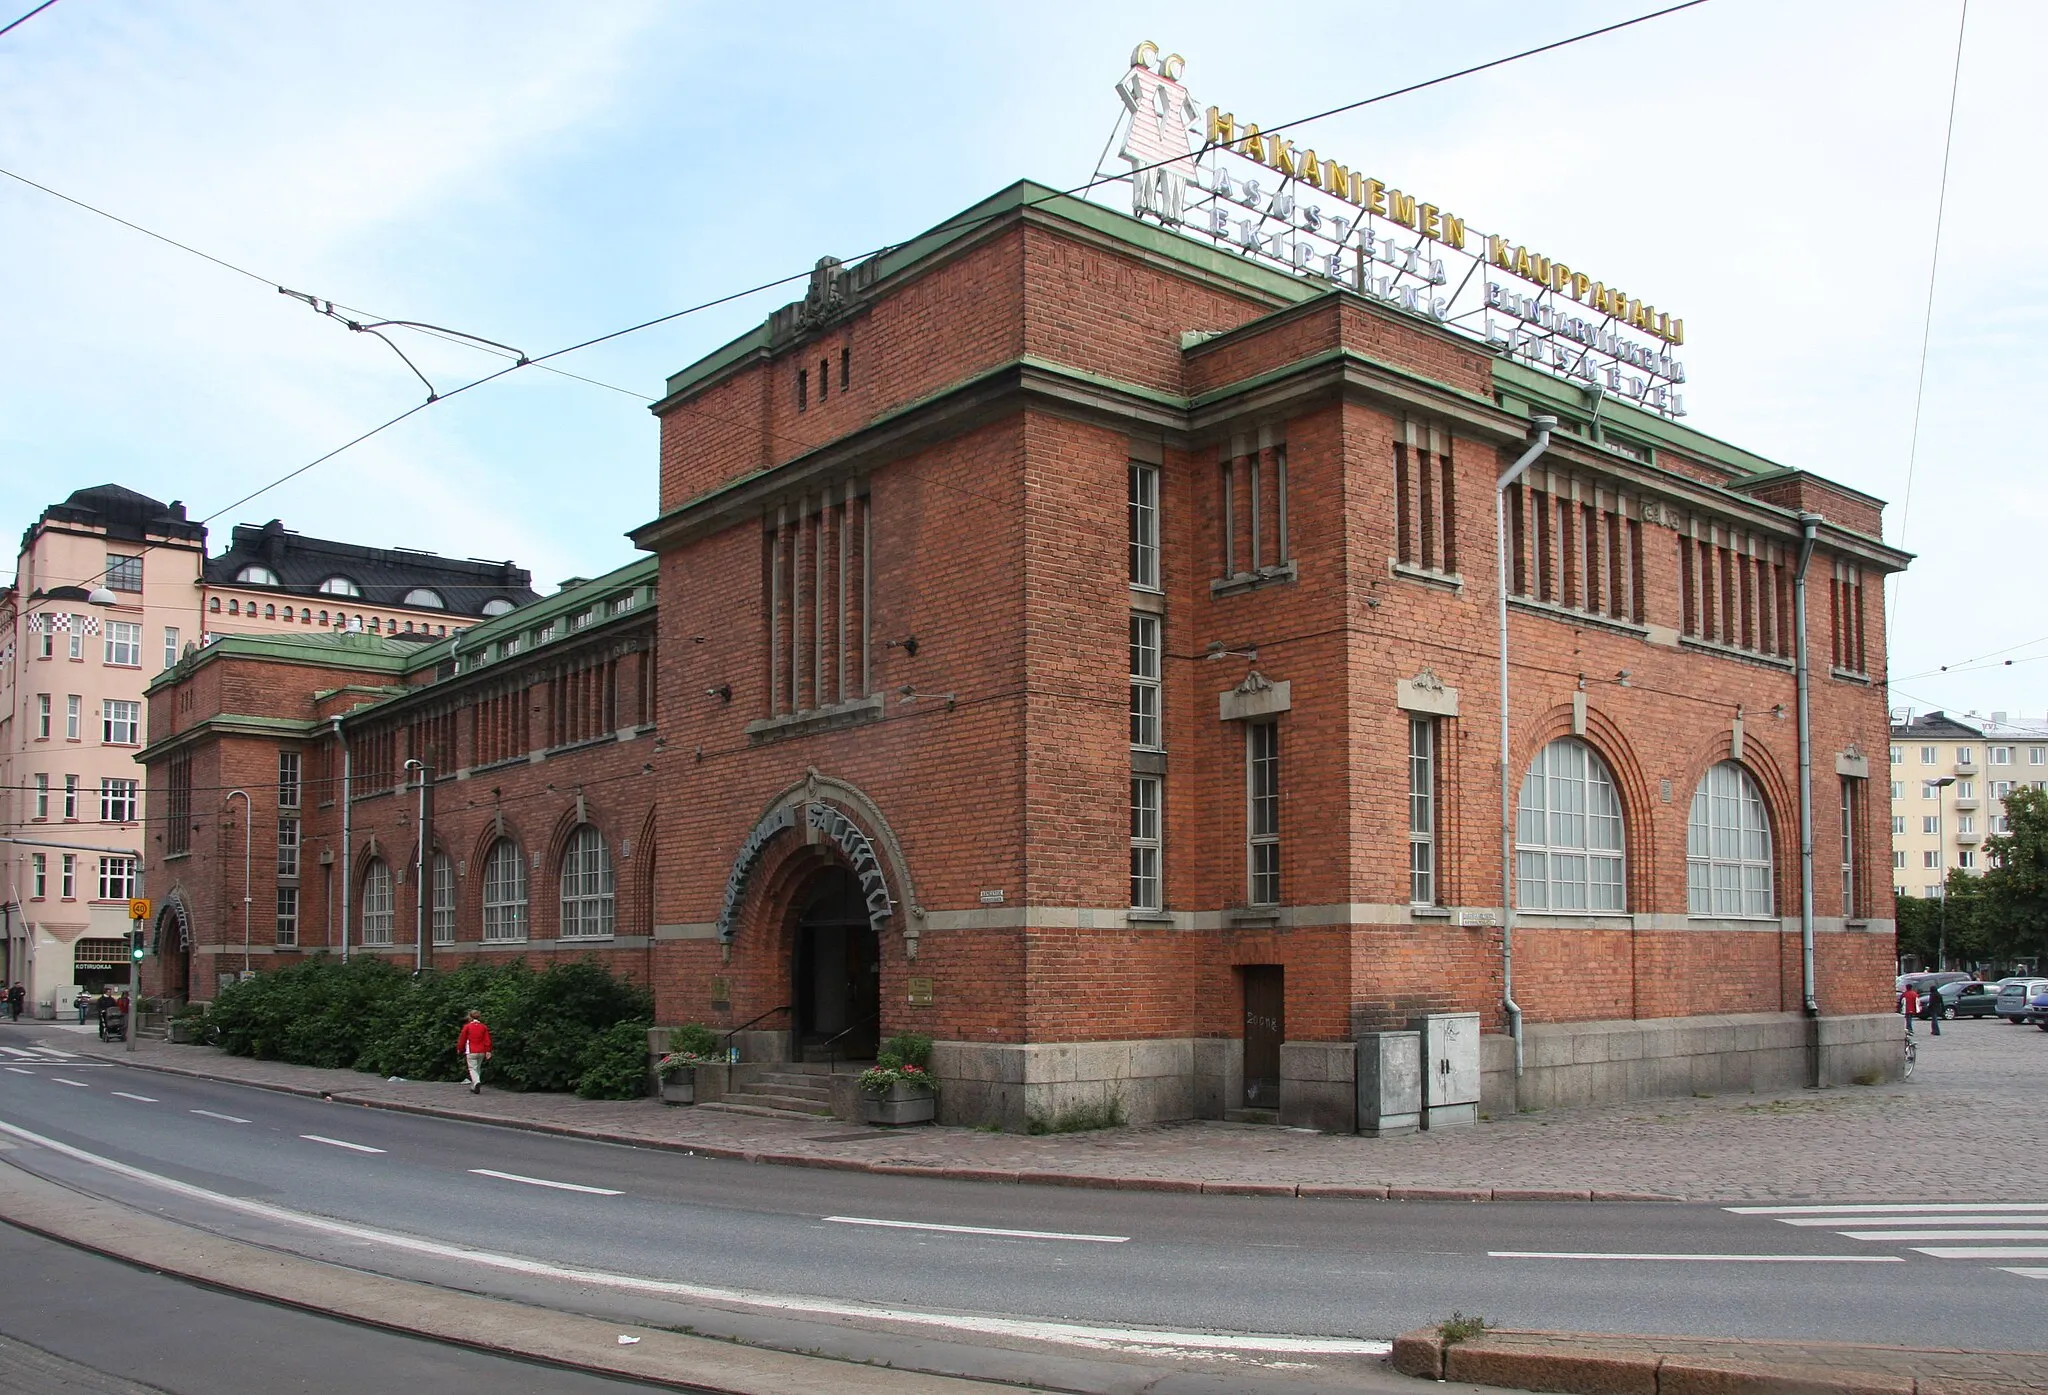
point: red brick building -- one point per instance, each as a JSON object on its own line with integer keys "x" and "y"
{"x": 1078, "y": 644}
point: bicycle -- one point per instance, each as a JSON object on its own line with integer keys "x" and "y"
{"x": 1912, "y": 1057}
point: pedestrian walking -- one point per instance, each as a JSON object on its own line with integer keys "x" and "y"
{"x": 1909, "y": 1007}
{"x": 474, "y": 1043}
{"x": 1930, "y": 1008}
{"x": 83, "y": 1002}
{"x": 15, "y": 996}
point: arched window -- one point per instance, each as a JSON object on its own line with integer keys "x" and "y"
{"x": 270, "y": 612}
{"x": 323, "y": 617}
{"x": 1568, "y": 839}
{"x": 234, "y": 607}
{"x": 497, "y": 605}
{"x": 1728, "y": 846}
{"x": 586, "y": 886}
{"x": 505, "y": 892}
{"x": 340, "y": 586}
{"x": 213, "y": 604}
{"x": 444, "y": 900}
{"x": 424, "y": 597}
{"x": 258, "y": 576}
{"x": 377, "y": 903}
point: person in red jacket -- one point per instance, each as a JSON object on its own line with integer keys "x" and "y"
{"x": 475, "y": 1046}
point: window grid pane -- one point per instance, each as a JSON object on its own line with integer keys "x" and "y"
{"x": 505, "y": 892}
{"x": 1145, "y": 893}
{"x": 1422, "y": 811}
{"x": 1728, "y": 864}
{"x": 444, "y": 900}
{"x": 1568, "y": 830}
{"x": 1145, "y": 733}
{"x": 1262, "y": 812}
{"x": 287, "y": 916}
{"x": 587, "y": 903}
{"x": 1144, "y": 509}
{"x": 378, "y": 904}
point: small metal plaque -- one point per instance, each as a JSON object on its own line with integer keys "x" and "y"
{"x": 721, "y": 992}
{"x": 992, "y": 897}
{"x": 920, "y": 992}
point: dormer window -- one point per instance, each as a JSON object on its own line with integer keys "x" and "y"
{"x": 339, "y": 586}
{"x": 497, "y": 605}
{"x": 257, "y": 576}
{"x": 425, "y": 599}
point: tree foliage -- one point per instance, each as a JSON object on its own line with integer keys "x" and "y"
{"x": 2014, "y": 887}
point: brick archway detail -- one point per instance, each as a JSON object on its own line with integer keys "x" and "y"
{"x": 1640, "y": 857}
{"x": 1781, "y": 801}
{"x": 837, "y": 814}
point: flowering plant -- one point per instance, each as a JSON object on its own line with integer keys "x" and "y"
{"x": 878, "y": 1078}
{"x": 676, "y": 1062}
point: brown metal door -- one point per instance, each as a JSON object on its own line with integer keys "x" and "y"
{"x": 1265, "y": 1027}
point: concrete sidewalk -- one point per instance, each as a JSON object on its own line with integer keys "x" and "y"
{"x": 1583, "y": 1364}
{"x": 1833, "y": 1145}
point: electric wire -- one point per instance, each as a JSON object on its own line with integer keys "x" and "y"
{"x": 949, "y": 226}
{"x": 17, "y": 23}
{"x": 1927, "y": 320}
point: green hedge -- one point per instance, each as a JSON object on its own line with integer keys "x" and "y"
{"x": 568, "y": 1026}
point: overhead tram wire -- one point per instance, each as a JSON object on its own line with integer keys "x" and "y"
{"x": 1955, "y": 86}
{"x": 949, "y": 226}
{"x": 16, "y": 24}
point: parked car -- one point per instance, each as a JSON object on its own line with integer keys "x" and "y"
{"x": 1968, "y": 998}
{"x": 2016, "y": 998}
{"x": 1924, "y": 983}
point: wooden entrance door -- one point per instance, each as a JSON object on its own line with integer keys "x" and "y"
{"x": 1265, "y": 1027}
{"x": 838, "y": 972}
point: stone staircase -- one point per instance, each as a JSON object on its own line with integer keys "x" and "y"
{"x": 784, "y": 1090}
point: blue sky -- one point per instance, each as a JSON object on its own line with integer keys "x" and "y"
{"x": 541, "y": 173}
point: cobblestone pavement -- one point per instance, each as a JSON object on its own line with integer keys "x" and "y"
{"x": 1966, "y": 1128}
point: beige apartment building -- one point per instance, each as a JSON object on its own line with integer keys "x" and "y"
{"x": 111, "y": 587}
{"x": 1950, "y": 776}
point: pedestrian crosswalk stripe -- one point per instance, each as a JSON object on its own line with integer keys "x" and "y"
{"x": 1887, "y": 1208}
{"x": 1989, "y": 1227}
{"x": 1946, "y": 1234}
{"x": 2009, "y": 1218}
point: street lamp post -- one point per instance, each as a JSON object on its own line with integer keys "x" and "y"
{"x": 1941, "y": 856}
{"x": 248, "y": 828}
{"x": 419, "y": 874}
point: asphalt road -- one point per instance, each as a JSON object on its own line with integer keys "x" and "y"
{"x": 76, "y": 1322}
{"x": 784, "y": 1246}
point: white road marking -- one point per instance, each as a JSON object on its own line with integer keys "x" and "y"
{"x": 1706, "y": 1259}
{"x": 140, "y": 1099}
{"x": 18, "y": 1051}
{"x": 340, "y": 1143}
{"x": 1915, "y": 1219}
{"x": 544, "y": 1182}
{"x": 19, "y": 1071}
{"x": 1945, "y": 1234}
{"x": 1068, "y": 1333}
{"x": 228, "y": 1118}
{"x": 60, "y": 1055}
{"x": 1983, "y": 1251}
{"x": 1918, "y": 1208}
{"x": 2029, "y": 1273}
{"x": 76, "y": 1084}
{"x": 981, "y": 1230}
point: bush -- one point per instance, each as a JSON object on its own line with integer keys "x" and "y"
{"x": 906, "y": 1049}
{"x": 694, "y": 1039}
{"x": 614, "y": 1064}
{"x": 370, "y": 1015}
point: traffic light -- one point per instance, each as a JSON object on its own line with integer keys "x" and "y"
{"x": 137, "y": 945}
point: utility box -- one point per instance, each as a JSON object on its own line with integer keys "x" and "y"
{"x": 1389, "y": 1083}
{"x": 1450, "y": 1068}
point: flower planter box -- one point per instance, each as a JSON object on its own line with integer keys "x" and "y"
{"x": 679, "y": 1087}
{"x": 903, "y": 1104}
{"x": 184, "y": 1032}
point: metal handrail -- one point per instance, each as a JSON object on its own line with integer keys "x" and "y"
{"x": 832, "y": 1043}
{"x": 748, "y": 1023}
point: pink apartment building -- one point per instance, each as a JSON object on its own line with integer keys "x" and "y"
{"x": 110, "y": 588}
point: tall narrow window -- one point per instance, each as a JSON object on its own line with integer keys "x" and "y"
{"x": 1568, "y": 834}
{"x": 39, "y": 875}
{"x": 70, "y": 796}
{"x": 444, "y": 900}
{"x": 845, "y": 367}
{"x": 803, "y": 389}
{"x": 42, "y": 796}
{"x": 1252, "y": 476}
{"x": 68, "y": 883}
{"x": 1422, "y": 811}
{"x": 287, "y": 847}
{"x": 1262, "y": 812}
{"x": 42, "y": 716}
{"x": 178, "y": 807}
{"x": 505, "y": 892}
{"x": 1728, "y": 846}
{"x": 287, "y": 917}
{"x": 288, "y": 782}
{"x": 1145, "y": 733}
{"x": 1145, "y": 895}
{"x": 586, "y": 886}
{"x": 378, "y": 905}
{"x": 74, "y": 717}
{"x": 1852, "y": 792}
{"x": 1144, "y": 502}
{"x": 170, "y": 645}
{"x": 815, "y": 597}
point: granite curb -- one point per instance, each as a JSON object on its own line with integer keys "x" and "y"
{"x": 1018, "y": 1177}
{"x": 1589, "y": 1364}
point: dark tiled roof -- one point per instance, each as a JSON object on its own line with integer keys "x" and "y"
{"x": 1937, "y": 724}
{"x": 384, "y": 575}
{"x": 123, "y": 513}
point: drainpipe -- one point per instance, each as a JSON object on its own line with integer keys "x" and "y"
{"x": 346, "y": 772}
{"x": 1809, "y": 526}
{"x": 1542, "y": 426}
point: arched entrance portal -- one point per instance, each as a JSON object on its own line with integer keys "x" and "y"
{"x": 174, "y": 953}
{"x": 838, "y": 969}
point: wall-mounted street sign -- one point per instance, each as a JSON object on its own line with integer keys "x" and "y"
{"x": 1203, "y": 172}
